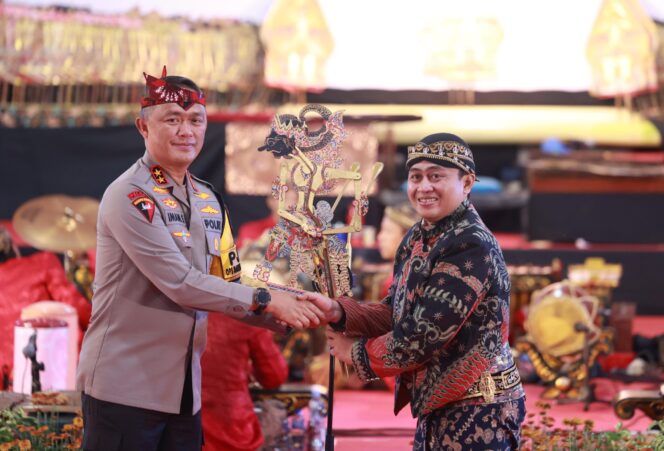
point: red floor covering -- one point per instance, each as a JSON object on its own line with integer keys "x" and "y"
{"x": 363, "y": 420}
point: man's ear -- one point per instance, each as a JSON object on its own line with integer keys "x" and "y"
{"x": 142, "y": 127}
{"x": 468, "y": 181}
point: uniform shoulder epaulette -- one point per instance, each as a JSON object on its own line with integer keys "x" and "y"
{"x": 210, "y": 187}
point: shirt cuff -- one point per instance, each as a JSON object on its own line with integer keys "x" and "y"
{"x": 361, "y": 361}
{"x": 340, "y": 326}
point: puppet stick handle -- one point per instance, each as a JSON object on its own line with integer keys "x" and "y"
{"x": 329, "y": 435}
{"x": 341, "y": 193}
{"x": 355, "y": 168}
{"x": 376, "y": 170}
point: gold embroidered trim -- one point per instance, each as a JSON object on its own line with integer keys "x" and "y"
{"x": 450, "y": 151}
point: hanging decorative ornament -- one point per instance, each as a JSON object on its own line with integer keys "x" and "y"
{"x": 298, "y": 43}
{"x": 621, "y": 50}
{"x": 462, "y": 47}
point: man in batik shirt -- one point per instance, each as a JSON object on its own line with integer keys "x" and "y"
{"x": 442, "y": 329}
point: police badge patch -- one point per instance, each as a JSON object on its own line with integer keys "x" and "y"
{"x": 143, "y": 203}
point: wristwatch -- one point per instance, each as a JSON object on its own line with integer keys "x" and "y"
{"x": 261, "y": 300}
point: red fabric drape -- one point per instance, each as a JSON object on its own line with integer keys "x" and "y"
{"x": 25, "y": 280}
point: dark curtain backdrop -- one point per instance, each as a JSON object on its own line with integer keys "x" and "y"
{"x": 82, "y": 161}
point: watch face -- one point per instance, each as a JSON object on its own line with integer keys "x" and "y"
{"x": 262, "y": 297}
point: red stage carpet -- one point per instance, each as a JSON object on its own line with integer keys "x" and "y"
{"x": 364, "y": 420}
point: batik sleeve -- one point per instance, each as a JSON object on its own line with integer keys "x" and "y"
{"x": 365, "y": 319}
{"x": 434, "y": 313}
{"x": 371, "y": 319}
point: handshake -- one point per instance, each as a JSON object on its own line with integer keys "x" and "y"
{"x": 312, "y": 310}
{"x": 304, "y": 310}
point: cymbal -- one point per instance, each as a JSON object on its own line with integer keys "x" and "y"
{"x": 58, "y": 223}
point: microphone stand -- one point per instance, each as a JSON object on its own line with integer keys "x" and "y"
{"x": 587, "y": 392}
{"x": 30, "y": 352}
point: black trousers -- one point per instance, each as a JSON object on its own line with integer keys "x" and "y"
{"x": 113, "y": 427}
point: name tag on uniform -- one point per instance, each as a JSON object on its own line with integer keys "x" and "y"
{"x": 172, "y": 216}
{"x": 213, "y": 225}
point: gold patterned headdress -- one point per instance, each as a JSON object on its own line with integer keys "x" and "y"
{"x": 444, "y": 149}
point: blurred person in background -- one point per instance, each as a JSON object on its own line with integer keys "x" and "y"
{"x": 251, "y": 231}
{"x": 397, "y": 220}
{"x": 236, "y": 353}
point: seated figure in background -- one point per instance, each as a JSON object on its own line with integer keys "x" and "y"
{"x": 8, "y": 248}
{"x": 254, "y": 236}
{"x": 397, "y": 220}
{"x": 253, "y": 230}
{"x": 235, "y": 352}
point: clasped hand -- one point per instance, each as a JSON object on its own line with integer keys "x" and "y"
{"x": 340, "y": 345}
{"x": 312, "y": 310}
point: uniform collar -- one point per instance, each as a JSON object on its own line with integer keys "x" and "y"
{"x": 161, "y": 177}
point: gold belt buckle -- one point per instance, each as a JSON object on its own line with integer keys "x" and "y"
{"x": 487, "y": 387}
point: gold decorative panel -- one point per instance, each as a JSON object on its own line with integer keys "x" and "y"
{"x": 622, "y": 49}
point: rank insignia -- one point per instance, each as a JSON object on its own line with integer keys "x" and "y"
{"x": 158, "y": 190}
{"x": 158, "y": 175}
{"x": 184, "y": 235}
{"x": 191, "y": 182}
{"x": 210, "y": 210}
{"x": 143, "y": 203}
{"x": 202, "y": 195}
{"x": 170, "y": 203}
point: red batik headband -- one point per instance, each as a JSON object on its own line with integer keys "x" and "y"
{"x": 160, "y": 92}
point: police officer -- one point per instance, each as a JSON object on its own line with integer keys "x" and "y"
{"x": 165, "y": 256}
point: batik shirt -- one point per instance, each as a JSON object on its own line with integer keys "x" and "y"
{"x": 444, "y": 322}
